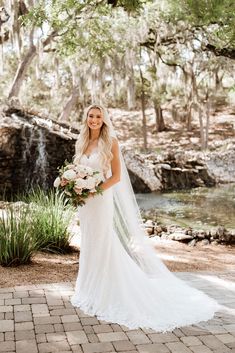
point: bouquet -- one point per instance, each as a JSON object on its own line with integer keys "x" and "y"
{"x": 78, "y": 181}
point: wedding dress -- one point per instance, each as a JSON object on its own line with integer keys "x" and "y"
{"x": 119, "y": 287}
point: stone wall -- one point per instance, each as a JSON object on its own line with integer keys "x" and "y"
{"x": 31, "y": 150}
{"x": 180, "y": 170}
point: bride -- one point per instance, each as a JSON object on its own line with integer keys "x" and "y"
{"x": 121, "y": 279}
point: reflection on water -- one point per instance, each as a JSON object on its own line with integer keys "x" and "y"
{"x": 200, "y": 208}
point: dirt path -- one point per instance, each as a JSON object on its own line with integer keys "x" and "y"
{"x": 48, "y": 268}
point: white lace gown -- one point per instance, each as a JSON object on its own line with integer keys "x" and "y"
{"x": 113, "y": 287}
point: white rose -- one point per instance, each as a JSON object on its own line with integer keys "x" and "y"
{"x": 80, "y": 167}
{"x": 57, "y": 182}
{"x": 81, "y": 171}
{"x": 80, "y": 183}
{"x": 98, "y": 178}
{"x": 69, "y": 174}
{"x": 90, "y": 183}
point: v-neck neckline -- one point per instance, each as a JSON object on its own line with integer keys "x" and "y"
{"x": 93, "y": 152}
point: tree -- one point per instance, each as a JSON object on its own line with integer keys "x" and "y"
{"x": 62, "y": 20}
{"x": 214, "y": 22}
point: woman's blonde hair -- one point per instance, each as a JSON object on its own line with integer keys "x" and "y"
{"x": 105, "y": 138}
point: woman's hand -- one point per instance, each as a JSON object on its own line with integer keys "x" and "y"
{"x": 91, "y": 194}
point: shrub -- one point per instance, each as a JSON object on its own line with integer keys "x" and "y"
{"x": 50, "y": 217}
{"x": 17, "y": 243}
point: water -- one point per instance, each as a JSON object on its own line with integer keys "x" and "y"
{"x": 37, "y": 172}
{"x": 200, "y": 208}
{"x": 41, "y": 162}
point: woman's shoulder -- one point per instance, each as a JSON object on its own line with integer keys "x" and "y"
{"x": 115, "y": 146}
{"x": 114, "y": 139}
{"x": 114, "y": 142}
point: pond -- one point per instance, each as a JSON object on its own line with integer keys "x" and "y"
{"x": 199, "y": 208}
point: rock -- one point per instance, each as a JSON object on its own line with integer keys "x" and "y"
{"x": 214, "y": 234}
{"x": 189, "y": 231}
{"x": 141, "y": 171}
{"x": 201, "y": 234}
{"x": 165, "y": 166}
{"x": 180, "y": 236}
{"x": 200, "y": 167}
{"x": 205, "y": 242}
{"x": 165, "y": 236}
{"x": 31, "y": 149}
{"x": 149, "y": 223}
{"x": 194, "y": 233}
{"x": 199, "y": 182}
{"x": 224, "y": 236}
{"x": 149, "y": 231}
{"x": 221, "y": 164}
{"x": 149, "y": 227}
{"x": 158, "y": 229}
{"x": 220, "y": 231}
{"x": 192, "y": 242}
{"x": 194, "y": 140}
{"x": 164, "y": 228}
{"x": 175, "y": 170}
{"x": 215, "y": 242}
{"x": 227, "y": 238}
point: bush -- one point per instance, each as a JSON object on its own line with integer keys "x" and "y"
{"x": 50, "y": 217}
{"x": 17, "y": 243}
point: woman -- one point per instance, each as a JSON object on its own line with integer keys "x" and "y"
{"x": 121, "y": 279}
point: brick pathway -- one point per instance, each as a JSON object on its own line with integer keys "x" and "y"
{"x": 40, "y": 318}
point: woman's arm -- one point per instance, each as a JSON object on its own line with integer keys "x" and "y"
{"x": 115, "y": 167}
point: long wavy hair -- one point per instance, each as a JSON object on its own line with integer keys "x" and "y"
{"x": 104, "y": 142}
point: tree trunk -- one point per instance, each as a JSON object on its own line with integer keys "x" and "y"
{"x": 193, "y": 95}
{"x": 202, "y": 137}
{"x": 143, "y": 110}
{"x": 23, "y": 67}
{"x": 69, "y": 105}
{"x": 207, "y": 123}
{"x": 189, "y": 117}
{"x": 174, "y": 113}
{"x": 144, "y": 119}
{"x": 160, "y": 124}
{"x": 131, "y": 91}
{"x": 21, "y": 72}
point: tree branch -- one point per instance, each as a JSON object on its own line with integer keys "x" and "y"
{"x": 226, "y": 52}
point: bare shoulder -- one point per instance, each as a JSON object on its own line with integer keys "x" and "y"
{"x": 114, "y": 144}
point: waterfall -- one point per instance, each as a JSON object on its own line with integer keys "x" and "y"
{"x": 33, "y": 148}
{"x": 40, "y": 170}
{"x": 27, "y": 136}
{"x": 34, "y": 154}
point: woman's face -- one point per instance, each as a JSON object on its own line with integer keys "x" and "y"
{"x": 94, "y": 119}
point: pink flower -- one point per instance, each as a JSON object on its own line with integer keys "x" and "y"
{"x": 64, "y": 182}
{"x": 77, "y": 190}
